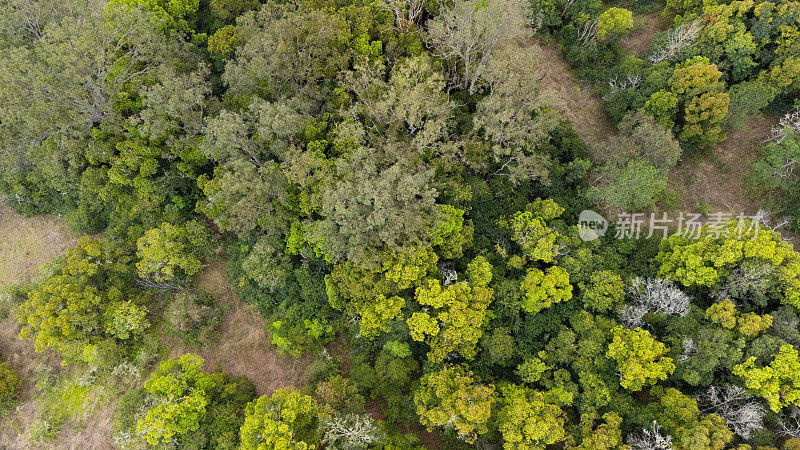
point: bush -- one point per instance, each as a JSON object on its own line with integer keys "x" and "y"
{"x": 180, "y": 404}
{"x": 9, "y": 382}
{"x": 194, "y": 316}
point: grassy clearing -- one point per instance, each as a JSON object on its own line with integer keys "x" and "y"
{"x": 243, "y": 347}
{"x": 29, "y": 242}
{"x": 576, "y": 102}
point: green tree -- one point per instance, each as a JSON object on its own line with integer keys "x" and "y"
{"x": 632, "y": 185}
{"x": 453, "y": 399}
{"x": 182, "y": 405}
{"x": 369, "y": 208}
{"x": 704, "y": 116}
{"x": 243, "y": 197}
{"x": 641, "y": 136}
{"x": 466, "y": 34}
{"x": 174, "y": 14}
{"x": 640, "y": 358}
{"x": 542, "y": 289}
{"x": 512, "y": 118}
{"x": 663, "y": 106}
{"x": 286, "y": 420}
{"x": 68, "y": 84}
{"x": 168, "y": 251}
{"x": 310, "y": 44}
{"x": 773, "y": 172}
{"x": 412, "y": 105}
{"x": 267, "y": 266}
{"x": 527, "y": 420}
{"x": 778, "y": 383}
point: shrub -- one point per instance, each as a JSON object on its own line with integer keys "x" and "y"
{"x": 9, "y": 382}
{"x": 194, "y": 316}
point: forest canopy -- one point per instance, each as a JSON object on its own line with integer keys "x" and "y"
{"x": 388, "y": 177}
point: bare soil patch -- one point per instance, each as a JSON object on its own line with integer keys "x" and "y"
{"x": 576, "y": 101}
{"x": 243, "y": 347}
{"x": 718, "y": 181}
{"x": 28, "y": 242}
{"x": 645, "y": 28}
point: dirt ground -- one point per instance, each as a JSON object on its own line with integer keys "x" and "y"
{"x": 710, "y": 182}
{"x": 717, "y": 181}
{"x": 576, "y": 102}
{"x": 645, "y": 28}
{"x": 243, "y": 348}
{"x": 28, "y": 242}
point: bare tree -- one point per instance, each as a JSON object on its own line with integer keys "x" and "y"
{"x": 689, "y": 346}
{"x": 740, "y": 410}
{"x": 678, "y": 39}
{"x": 173, "y": 285}
{"x": 467, "y": 34}
{"x": 790, "y": 121}
{"x": 449, "y": 275}
{"x": 588, "y": 32}
{"x": 405, "y": 12}
{"x": 657, "y": 295}
{"x": 650, "y": 439}
{"x": 352, "y": 431}
{"x": 790, "y": 423}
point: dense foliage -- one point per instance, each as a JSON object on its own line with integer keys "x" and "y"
{"x": 387, "y": 173}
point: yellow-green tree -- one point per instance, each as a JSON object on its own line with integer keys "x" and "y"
{"x": 640, "y": 358}
{"x": 376, "y": 316}
{"x": 287, "y": 420}
{"x": 614, "y": 22}
{"x": 605, "y": 436}
{"x": 714, "y": 256}
{"x": 725, "y": 314}
{"x": 171, "y": 251}
{"x": 778, "y": 383}
{"x": 527, "y": 420}
{"x": 542, "y": 289}
{"x": 9, "y": 382}
{"x": 681, "y": 418}
{"x": 530, "y": 230}
{"x": 454, "y": 320}
{"x": 88, "y": 303}
{"x": 181, "y": 389}
{"x": 452, "y": 398}
{"x": 604, "y": 290}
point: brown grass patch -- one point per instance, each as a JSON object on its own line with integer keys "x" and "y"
{"x": 243, "y": 347}
{"x": 717, "y": 181}
{"x": 645, "y": 28}
{"x": 28, "y": 242}
{"x": 576, "y": 102}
